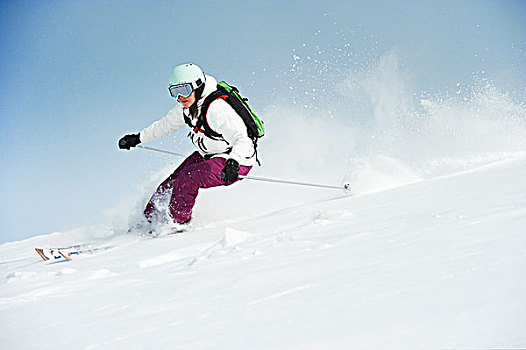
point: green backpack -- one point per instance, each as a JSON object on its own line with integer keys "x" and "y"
{"x": 255, "y": 126}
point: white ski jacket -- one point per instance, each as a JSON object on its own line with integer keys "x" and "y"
{"x": 221, "y": 118}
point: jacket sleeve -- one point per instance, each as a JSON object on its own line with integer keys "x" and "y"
{"x": 170, "y": 123}
{"x": 223, "y": 119}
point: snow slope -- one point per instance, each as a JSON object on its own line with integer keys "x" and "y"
{"x": 435, "y": 264}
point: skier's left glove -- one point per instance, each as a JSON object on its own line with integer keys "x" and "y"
{"x": 230, "y": 172}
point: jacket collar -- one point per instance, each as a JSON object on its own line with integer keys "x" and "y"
{"x": 210, "y": 86}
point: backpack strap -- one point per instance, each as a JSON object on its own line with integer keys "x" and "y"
{"x": 187, "y": 121}
{"x": 202, "y": 122}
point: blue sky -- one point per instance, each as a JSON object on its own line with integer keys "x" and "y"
{"x": 77, "y": 75}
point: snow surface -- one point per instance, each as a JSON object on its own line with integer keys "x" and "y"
{"x": 436, "y": 264}
{"x": 429, "y": 251}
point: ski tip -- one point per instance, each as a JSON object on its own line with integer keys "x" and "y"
{"x": 64, "y": 256}
{"x": 40, "y": 252}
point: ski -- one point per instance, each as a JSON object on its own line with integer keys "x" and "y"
{"x": 65, "y": 257}
{"x": 66, "y": 253}
{"x": 53, "y": 254}
{"x": 41, "y": 254}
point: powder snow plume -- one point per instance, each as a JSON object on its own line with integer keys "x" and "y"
{"x": 363, "y": 119}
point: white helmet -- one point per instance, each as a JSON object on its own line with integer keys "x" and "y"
{"x": 187, "y": 74}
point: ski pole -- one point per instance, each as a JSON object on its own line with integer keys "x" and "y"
{"x": 346, "y": 186}
{"x": 160, "y": 150}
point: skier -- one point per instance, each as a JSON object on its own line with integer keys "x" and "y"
{"x": 218, "y": 161}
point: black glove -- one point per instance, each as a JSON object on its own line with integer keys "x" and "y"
{"x": 129, "y": 141}
{"x": 230, "y": 172}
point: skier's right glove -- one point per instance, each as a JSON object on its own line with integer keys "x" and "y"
{"x": 230, "y": 172}
{"x": 129, "y": 141}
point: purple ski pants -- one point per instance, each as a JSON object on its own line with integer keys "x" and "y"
{"x": 183, "y": 185}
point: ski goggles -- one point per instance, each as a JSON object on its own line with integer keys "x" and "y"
{"x": 184, "y": 90}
